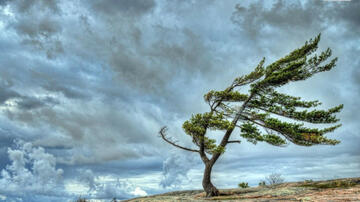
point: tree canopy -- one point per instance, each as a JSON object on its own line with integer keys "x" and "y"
{"x": 263, "y": 114}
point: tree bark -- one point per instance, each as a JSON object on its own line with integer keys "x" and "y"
{"x": 209, "y": 188}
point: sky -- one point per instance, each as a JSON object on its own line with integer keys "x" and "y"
{"x": 85, "y": 87}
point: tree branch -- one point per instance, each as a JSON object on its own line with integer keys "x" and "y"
{"x": 227, "y": 134}
{"x": 163, "y": 136}
{"x": 287, "y": 115}
{"x": 234, "y": 141}
{"x": 264, "y": 126}
{"x": 202, "y": 153}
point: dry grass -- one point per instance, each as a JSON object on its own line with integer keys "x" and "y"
{"x": 331, "y": 184}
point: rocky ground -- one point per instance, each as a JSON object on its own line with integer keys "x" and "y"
{"x": 331, "y": 190}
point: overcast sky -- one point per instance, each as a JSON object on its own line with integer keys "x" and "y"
{"x": 85, "y": 87}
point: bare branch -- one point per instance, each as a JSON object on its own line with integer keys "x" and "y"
{"x": 234, "y": 141}
{"x": 162, "y": 133}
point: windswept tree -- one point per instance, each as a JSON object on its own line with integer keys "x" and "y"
{"x": 263, "y": 114}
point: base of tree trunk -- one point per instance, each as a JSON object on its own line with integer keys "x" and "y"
{"x": 211, "y": 191}
{"x": 209, "y": 188}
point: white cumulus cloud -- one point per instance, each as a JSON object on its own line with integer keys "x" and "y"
{"x": 107, "y": 187}
{"x": 139, "y": 192}
{"x": 32, "y": 170}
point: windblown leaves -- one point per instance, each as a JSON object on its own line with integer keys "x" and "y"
{"x": 298, "y": 134}
{"x": 253, "y": 76}
{"x": 259, "y": 110}
{"x": 296, "y": 66}
{"x": 197, "y": 125}
{"x": 224, "y": 96}
{"x": 252, "y": 134}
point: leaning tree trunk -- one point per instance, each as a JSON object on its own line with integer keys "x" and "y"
{"x": 209, "y": 188}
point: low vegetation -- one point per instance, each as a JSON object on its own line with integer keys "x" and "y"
{"x": 243, "y": 185}
{"x": 262, "y": 183}
{"x": 330, "y": 184}
{"x": 274, "y": 178}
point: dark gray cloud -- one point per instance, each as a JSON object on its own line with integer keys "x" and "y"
{"x": 37, "y": 30}
{"x": 32, "y": 5}
{"x": 126, "y": 7}
{"x": 28, "y": 103}
{"x": 287, "y": 16}
{"x": 67, "y": 91}
{"x": 3, "y": 2}
{"x": 45, "y": 28}
{"x": 93, "y": 82}
{"x": 23, "y": 102}
{"x": 296, "y": 21}
{"x": 6, "y": 94}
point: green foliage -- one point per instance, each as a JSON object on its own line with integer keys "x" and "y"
{"x": 296, "y": 66}
{"x": 225, "y": 96}
{"x": 262, "y": 183}
{"x": 330, "y": 184}
{"x": 274, "y": 140}
{"x": 253, "y": 76}
{"x": 264, "y": 114}
{"x": 243, "y": 185}
{"x": 252, "y": 134}
{"x": 197, "y": 125}
{"x": 271, "y": 99}
{"x": 285, "y": 105}
{"x": 298, "y": 134}
{"x": 260, "y": 110}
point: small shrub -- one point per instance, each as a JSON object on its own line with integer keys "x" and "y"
{"x": 243, "y": 185}
{"x": 262, "y": 183}
{"x": 274, "y": 178}
{"x": 309, "y": 181}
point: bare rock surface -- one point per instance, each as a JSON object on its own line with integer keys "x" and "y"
{"x": 347, "y": 189}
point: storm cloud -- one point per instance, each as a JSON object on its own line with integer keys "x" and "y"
{"x": 87, "y": 86}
